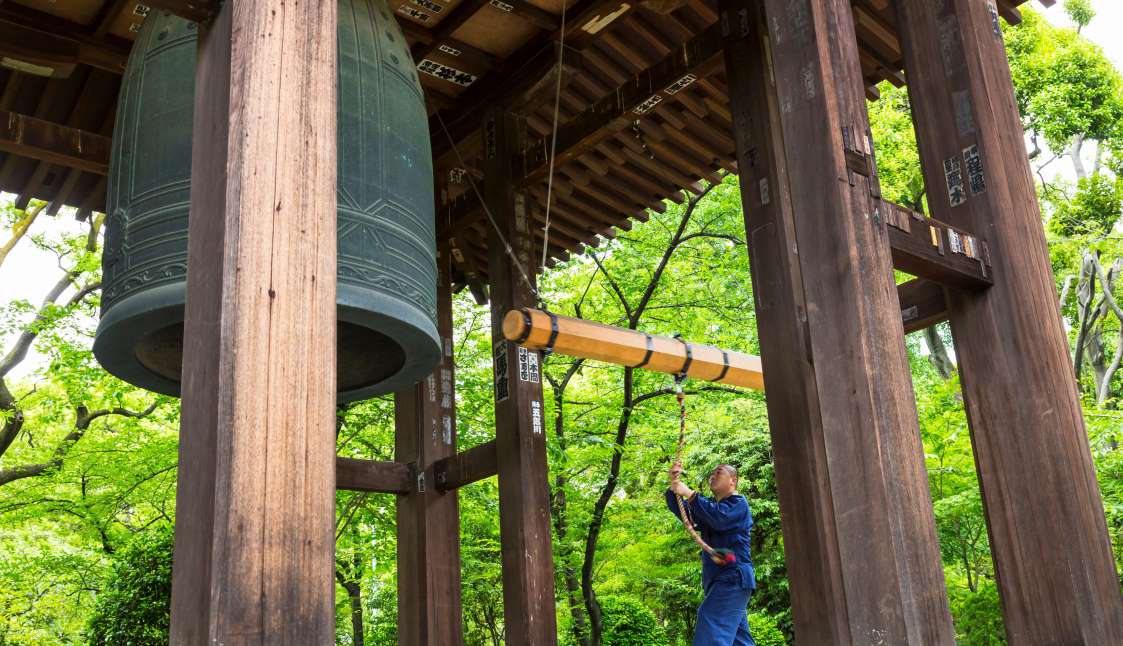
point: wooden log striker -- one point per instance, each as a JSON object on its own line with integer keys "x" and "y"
{"x": 533, "y": 328}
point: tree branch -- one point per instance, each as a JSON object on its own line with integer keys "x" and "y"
{"x": 19, "y": 350}
{"x": 615, "y": 286}
{"x": 20, "y": 228}
{"x": 82, "y": 420}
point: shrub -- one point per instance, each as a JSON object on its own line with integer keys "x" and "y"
{"x": 134, "y": 606}
{"x": 978, "y": 617}
{"x": 627, "y": 622}
{"x": 765, "y": 631}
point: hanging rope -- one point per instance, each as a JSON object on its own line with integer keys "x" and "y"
{"x": 553, "y": 140}
{"x": 487, "y": 212}
{"x": 719, "y": 556}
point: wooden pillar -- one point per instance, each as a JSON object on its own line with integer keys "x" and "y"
{"x": 429, "y": 609}
{"x": 254, "y": 552}
{"x": 1044, "y": 513}
{"x": 859, "y": 536}
{"x": 520, "y": 443}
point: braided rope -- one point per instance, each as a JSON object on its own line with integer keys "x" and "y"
{"x": 683, "y": 514}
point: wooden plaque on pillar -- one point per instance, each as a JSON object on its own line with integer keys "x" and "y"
{"x": 859, "y": 536}
{"x": 520, "y": 439}
{"x": 254, "y": 552}
{"x": 1053, "y": 562}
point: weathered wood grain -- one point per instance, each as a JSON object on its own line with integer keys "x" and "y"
{"x": 372, "y": 476}
{"x": 259, "y": 391}
{"x": 54, "y": 143}
{"x": 469, "y": 466}
{"x": 923, "y": 304}
{"x": 428, "y": 517}
{"x": 859, "y": 536}
{"x": 520, "y": 441}
{"x": 1045, "y": 516}
{"x": 195, "y": 10}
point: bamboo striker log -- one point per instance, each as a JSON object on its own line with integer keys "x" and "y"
{"x": 532, "y": 328}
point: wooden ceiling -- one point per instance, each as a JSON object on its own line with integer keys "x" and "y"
{"x": 643, "y": 113}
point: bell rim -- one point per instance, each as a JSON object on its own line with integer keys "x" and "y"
{"x": 151, "y": 310}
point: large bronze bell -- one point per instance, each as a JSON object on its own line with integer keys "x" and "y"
{"x": 387, "y": 260}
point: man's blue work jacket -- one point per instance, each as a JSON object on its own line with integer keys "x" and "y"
{"x": 724, "y": 524}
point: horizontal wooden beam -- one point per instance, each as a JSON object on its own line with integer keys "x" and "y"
{"x": 46, "y": 45}
{"x": 928, "y": 248}
{"x": 372, "y": 476}
{"x": 466, "y": 467}
{"x": 586, "y": 20}
{"x": 628, "y": 102}
{"x": 54, "y": 143}
{"x": 923, "y": 304}
{"x": 194, "y": 10}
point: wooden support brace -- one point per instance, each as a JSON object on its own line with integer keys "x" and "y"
{"x": 52, "y": 45}
{"x": 372, "y": 476}
{"x": 923, "y": 304}
{"x": 936, "y": 251}
{"x": 54, "y": 143}
{"x": 193, "y": 10}
{"x": 464, "y": 468}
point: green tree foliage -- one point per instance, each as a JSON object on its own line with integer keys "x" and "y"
{"x": 134, "y": 606}
{"x": 1080, "y": 11}
{"x": 765, "y": 631}
{"x": 1065, "y": 85}
{"x": 978, "y": 617}
{"x": 628, "y": 622}
{"x": 1093, "y": 209}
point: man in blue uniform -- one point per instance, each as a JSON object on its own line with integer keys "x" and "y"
{"x": 724, "y": 522}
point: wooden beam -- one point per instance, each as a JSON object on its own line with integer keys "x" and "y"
{"x": 466, "y": 467}
{"x": 923, "y": 304}
{"x": 859, "y": 535}
{"x": 372, "y": 476}
{"x": 455, "y": 18}
{"x": 52, "y": 42}
{"x": 428, "y": 518}
{"x": 585, "y": 21}
{"x": 534, "y": 330}
{"x": 193, "y": 10}
{"x": 520, "y": 443}
{"x": 628, "y": 102}
{"x": 921, "y": 246}
{"x": 934, "y": 250}
{"x": 54, "y": 143}
{"x": 254, "y": 548}
{"x": 1027, "y": 427}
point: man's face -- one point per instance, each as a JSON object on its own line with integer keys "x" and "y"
{"x": 722, "y": 483}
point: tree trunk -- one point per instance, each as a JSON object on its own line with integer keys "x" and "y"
{"x": 938, "y": 353}
{"x": 591, "y": 605}
{"x": 355, "y": 593}
{"x": 1086, "y": 294}
{"x": 1073, "y": 152}
{"x": 560, "y": 512}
